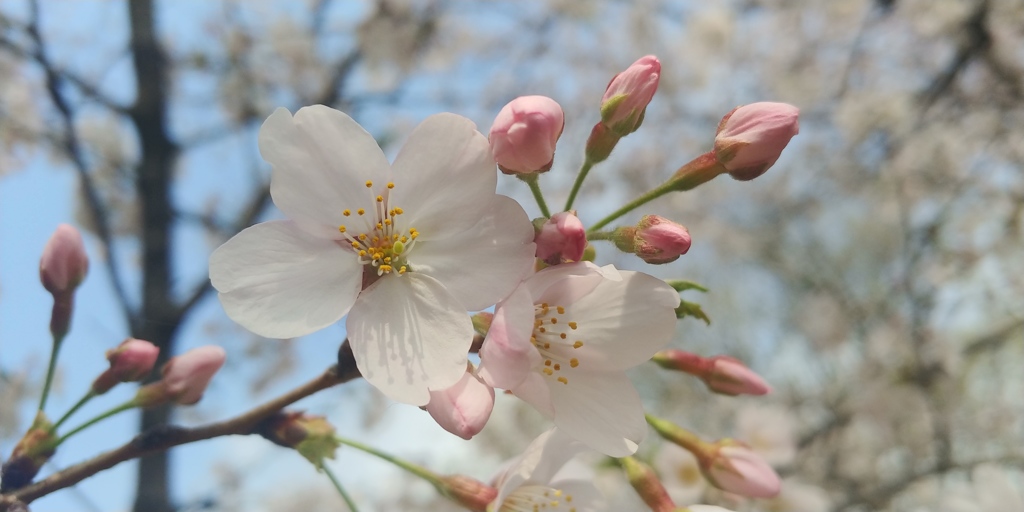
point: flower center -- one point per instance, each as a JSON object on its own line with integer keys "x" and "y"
{"x": 555, "y": 338}
{"x": 375, "y": 237}
{"x": 537, "y": 498}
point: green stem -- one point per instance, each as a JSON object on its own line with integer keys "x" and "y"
{"x": 534, "y": 182}
{"x": 341, "y": 490}
{"x": 123, "y": 407}
{"x": 600, "y": 235}
{"x": 584, "y": 169}
{"x": 50, "y": 370}
{"x": 419, "y": 471}
{"x": 651, "y": 195}
{"x": 680, "y": 436}
{"x": 88, "y": 396}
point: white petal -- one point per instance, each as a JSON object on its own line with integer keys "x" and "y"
{"x": 623, "y": 323}
{"x": 482, "y": 264}
{"x": 321, "y": 161}
{"x": 409, "y": 336}
{"x": 585, "y": 495}
{"x": 601, "y": 409}
{"x": 507, "y": 356}
{"x": 445, "y": 176}
{"x": 538, "y": 464}
{"x": 280, "y": 282}
{"x": 564, "y": 284}
{"x": 534, "y": 391}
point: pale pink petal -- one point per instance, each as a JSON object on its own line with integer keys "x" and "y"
{"x": 623, "y": 324}
{"x": 321, "y": 161}
{"x": 538, "y": 464}
{"x": 280, "y": 282}
{"x": 564, "y": 284}
{"x": 409, "y": 335}
{"x": 507, "y": 356}
{"x": 535, "y": 391}
{"x": 601, "y": 409}
{"x": 482, "y": 264}
{"x": 444, "y": 177}
{"x": 464, "y": 408}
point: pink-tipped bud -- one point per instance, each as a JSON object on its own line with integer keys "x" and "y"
{"x": 655, "y": 239}
{"x": 64, "y": 263}
{"x": 185, "y": 378}
{"x": 627, "y": 95}
{"x": 731, "y": 377}
{"x": 464, "y": 408}
{"x": 524, "y": 134}
{"x": 471, "y": 494}
{"x": 130, "y": 361}
{"x": 647, "y": 485}
{"x": 561, "y": 239}
{"x": 751, "y": 137}
{"x": 733, "y": 467}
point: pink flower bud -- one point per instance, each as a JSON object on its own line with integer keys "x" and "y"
{"x": 737, "y": 469}
{"x": 655, "y": 239}
{"x": 729, "y": 376}
{"x": 312, "y": 436}
{"x": 524, "y": 134}
{"x": 64, "y": 262}
{"x": 751, "y": 137}
{"x": 627, "y": 95}
{"x": 680, "y": 360}
{"x": 131, "y": 361}
{"x": 464, "y": 408}
{"x": 185, "y": 378}
{"x": 647, "y": 485}
{"x": 562, "y": 239}
{"x": 469, "y": 493}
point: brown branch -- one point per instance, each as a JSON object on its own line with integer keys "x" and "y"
{"x": 162, "y": 438}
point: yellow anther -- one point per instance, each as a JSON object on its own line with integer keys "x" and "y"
{"x": 547, "y": 362}
{"x": 558, "y": 367}
{"x": 563, "y": 380}
{"x": 544, "y": 305}
{"x": 385, "y": 268}
{"x": 347, "y": 212}
{"x": 572, "y": 325}
{"x": 391, "y": 185}
{"x": 355, "y": 245}
{"x": 380, "y": 226}
{"x": 554, "y": 320}
{"x": 578, "y": 344}
{"x": 563, "y": 335}
{"x": 387, "y": 222}
{"x": 369, "y": 183}
{"x": 547, "y": 345}
{"x": 568, "y": 498}
{"x": 341, "y": 229}
{"x": 360, "y": 211}
{"x": 574, "y": 362}
{"x": 561, "y": 310}
{"x": 541, "y": 329}
{"x": 387, "y": 259}
{"x": 404, "y": 239}
{"x": 380, "y": 199}
{"x": 548, "y": 371}
{"x": 362, "y": 236}
{"x": 362, "y": 254}
{"x": 414, "y": 235}
{"x": 401, "y": 270}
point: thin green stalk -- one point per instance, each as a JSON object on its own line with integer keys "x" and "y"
{"x": 534, "y": 182}
{"x": 88, "y": 396}
{"x": 341, "y": 490}
{"x": 584, "y": 170}
{"x": 678, "y": 435}
{"x": 600, "y": 235}
{"x": 50, "y": 370}
{"x": 419, "y": 471}
{"x": 649, "y": 196}
{"x": 123, "y": 407}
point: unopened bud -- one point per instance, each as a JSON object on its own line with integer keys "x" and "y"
{"x": 524, "y": 134}
{"x": 463, "y": 409}
{"x": 647, "y": 485}
{"x": 561, "y": 239}
{"x": 751, "y": 137}
{"x": 655, "y": 239}
{"x": 312, "y": 436}
{"x": 185, "y": 378}
{"x": 131, "y": 361}
{"x": 722, "y": 374}
{"x": 64, "y": 263}
{"x": 628, "y": 93}
{"x": 733, "y": 467}
{"x": 468, "y": 492}
{"x": 32, "y": 451}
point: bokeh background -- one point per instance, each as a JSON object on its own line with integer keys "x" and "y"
{"x": 875, "y": 276}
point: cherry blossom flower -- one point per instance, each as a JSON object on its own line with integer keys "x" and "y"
{"x": 403, "y": 249}
{"x": 538, "y": 480}
{"x": 464, "y": 408}
{"x": 563, "y": 340}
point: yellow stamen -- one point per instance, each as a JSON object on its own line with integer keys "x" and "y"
{"x": 563, "y": 380}
{"x": 572, "y": 325}
{"x": 391, "y": 185}
{"x": 574, "y": 362}
{"x": 578, "y": 344}
{"x": 347, "y": 213}
{"x": 369, "y": 183}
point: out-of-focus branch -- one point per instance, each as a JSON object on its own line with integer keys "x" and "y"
{"x": 975, "y": 40}
{"x": 992, "y": 340}
{"x": 162, "y": 438}
{"x": 72, "y": 146}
